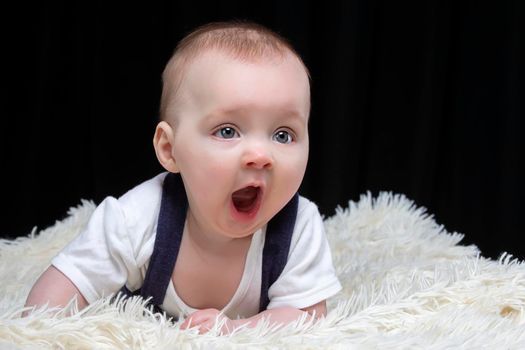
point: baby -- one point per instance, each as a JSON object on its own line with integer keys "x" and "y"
{"x": 222, "y": 233}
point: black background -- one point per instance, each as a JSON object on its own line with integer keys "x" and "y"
{"x": 422, "y": 98}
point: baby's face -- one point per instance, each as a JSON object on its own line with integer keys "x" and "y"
{"x": 241, "y": 141}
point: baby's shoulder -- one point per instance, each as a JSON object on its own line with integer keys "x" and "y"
{"x": 140, "y": 208}
{"x": 145, "y": 195}
{"x": 306, "y": 207}
{"x": 308, "y": 220}
{"x": 308, "y": 231}
{"x": 141, "y": 204}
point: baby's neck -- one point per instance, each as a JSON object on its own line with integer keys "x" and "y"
{"x": 210, "y": 242}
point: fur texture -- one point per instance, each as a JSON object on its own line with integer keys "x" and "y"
{"x": 407, "y": 284}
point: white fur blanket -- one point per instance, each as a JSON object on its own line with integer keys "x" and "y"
{"x": 407, "y": 285}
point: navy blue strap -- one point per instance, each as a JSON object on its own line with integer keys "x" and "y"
{"x": 170, "y": 227}
{"x": 276, "y": 247}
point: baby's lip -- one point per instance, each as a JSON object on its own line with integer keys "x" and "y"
{"x": 257, "y": 184}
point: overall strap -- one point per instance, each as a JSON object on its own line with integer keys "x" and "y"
{"x": 170, "y": 227}
{"x": 279, "y": 233}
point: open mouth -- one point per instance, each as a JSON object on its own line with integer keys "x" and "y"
{"x": 246, "y": 199}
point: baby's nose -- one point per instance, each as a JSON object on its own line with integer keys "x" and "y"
{"x": 257, "y": 157}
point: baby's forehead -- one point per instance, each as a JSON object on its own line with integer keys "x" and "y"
{"x": 214, "y": 56}
{"x": 195, "y": 76}
{"x": 212, "y": 63}
{"x": 229, "y": 83}
{"x": 216, "y": 60}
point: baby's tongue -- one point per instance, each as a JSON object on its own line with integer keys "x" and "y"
{"x": 244, "y": 199}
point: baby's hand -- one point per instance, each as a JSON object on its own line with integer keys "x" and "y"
{"x": 205, "y": 319}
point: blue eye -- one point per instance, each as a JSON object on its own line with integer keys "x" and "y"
{"x": 226, "y": 132}
{"x": 283, "y": 136}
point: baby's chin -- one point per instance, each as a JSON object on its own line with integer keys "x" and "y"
{"x": 237, "y": 229}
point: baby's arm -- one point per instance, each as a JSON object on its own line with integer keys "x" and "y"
{"x": 205, "y": 319}
{"x": 55, "y": 289}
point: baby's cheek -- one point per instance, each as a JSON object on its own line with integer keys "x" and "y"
{"x": 295, "y": 168}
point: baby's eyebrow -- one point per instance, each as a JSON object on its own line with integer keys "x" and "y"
{"x": 220, "y": 115}
{"x": 291, "y": 114}
{"x": 291, "y": 118}
{"x": 285, "y": 113}
{"x": 230, "y": 111}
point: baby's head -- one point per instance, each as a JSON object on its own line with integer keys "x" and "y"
{"x": 234, "y": 124}
{"x": 244, "y": 41}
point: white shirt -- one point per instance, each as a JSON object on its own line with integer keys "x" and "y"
{"x": 114, "y": 249}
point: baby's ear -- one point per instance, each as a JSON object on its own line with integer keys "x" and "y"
{"x": 163, "y": 143}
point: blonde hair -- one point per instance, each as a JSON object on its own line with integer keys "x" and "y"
{"x": 239, "y": 39}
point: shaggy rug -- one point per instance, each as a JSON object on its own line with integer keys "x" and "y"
{"x": 408, "y": 284}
